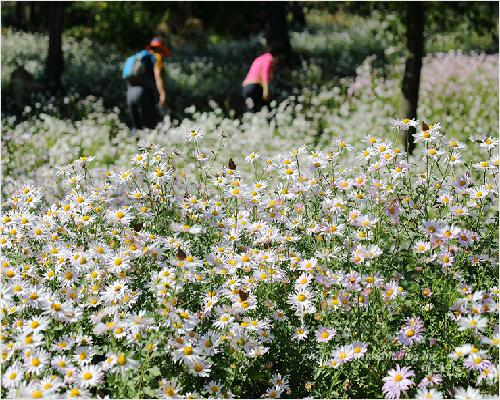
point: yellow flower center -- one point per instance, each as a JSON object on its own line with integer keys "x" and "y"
{"x": 198, "y": 367}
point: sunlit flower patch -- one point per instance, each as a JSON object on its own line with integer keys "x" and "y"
{"x": 178, "y": 275}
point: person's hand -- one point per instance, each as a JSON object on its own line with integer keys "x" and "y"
{"x": 265, "y": 97}
{"x": 163, "y": 101}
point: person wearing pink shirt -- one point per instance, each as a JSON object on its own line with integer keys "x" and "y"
{"x": 256, "y": 84}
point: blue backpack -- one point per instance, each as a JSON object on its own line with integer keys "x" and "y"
{"x": 134, "y": 69}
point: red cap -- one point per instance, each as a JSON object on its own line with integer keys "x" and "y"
{"x": 159, "y": 44}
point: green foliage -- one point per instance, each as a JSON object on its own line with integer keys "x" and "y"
{"x": 126, "y": 25}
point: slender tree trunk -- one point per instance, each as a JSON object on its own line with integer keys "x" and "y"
{"x": 411, "y": 81}
{"x": 35, "y": 17}
{"x": 278, "y": 27}
{"x": 55, "y": 60}
{"x": 20, "y": 14}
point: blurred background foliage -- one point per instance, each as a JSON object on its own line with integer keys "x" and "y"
{"x": 129, "y": 25}
{"x": 213, "y": 43}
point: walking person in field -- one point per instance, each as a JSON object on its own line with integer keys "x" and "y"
{"x": 255, "y": 88}
{"x": 145, "y": 84}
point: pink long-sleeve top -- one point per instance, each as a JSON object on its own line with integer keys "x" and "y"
{"x": 260, "y": 70}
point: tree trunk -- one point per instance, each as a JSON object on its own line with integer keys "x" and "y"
{"x": 413, "y": 65}
{"x": 35, "y": 17}
{"x": 55, "y": 61}
{"x": 298, "y": 16}
{"x": 278, "y": 36}
{"x": 20, "y": 15}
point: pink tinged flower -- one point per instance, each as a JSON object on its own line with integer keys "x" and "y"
{"x": 445, "y": 199}
{"x": 399, "y": 355}
{"x": 430, "y": 380}
{"x": 477, "y": 361}
{"x": 475, "y": 260}
{"x": 446, "y": 259}
{"x": 412, "y": 332}
{"x": 324, "y": 335}
{"x": 422, "y": 247}
{"x": 397, "y": 381}
{"x": 464, "y": 238}
{"x": 465, "y": 290}
{"x": 407, "y": 336}
{"x": 461, "y": 182}
{"x": 391, "y": 290}
{"x": 456, "y": 311}
{"x": 431, "y": 228}
{"x": 392, "y": 211}
{"x": 359, "y": 349}
{"x": 449, "y": 232}
{"x": 352, "y": 281}
{"x": 490, "y": 374}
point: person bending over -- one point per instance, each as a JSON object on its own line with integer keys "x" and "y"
{"x": 255, "y": 88}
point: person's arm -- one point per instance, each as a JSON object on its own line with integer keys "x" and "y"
{"x": 265, "y": 90}
{"x": 160, "y": 83}
{"x": 266, "y": 76}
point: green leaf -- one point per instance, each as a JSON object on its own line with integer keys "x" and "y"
{"x": 153, "y": 372}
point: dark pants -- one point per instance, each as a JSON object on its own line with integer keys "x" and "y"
{"x": 141, "y": 101}
{"x": 254, "y": 92}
